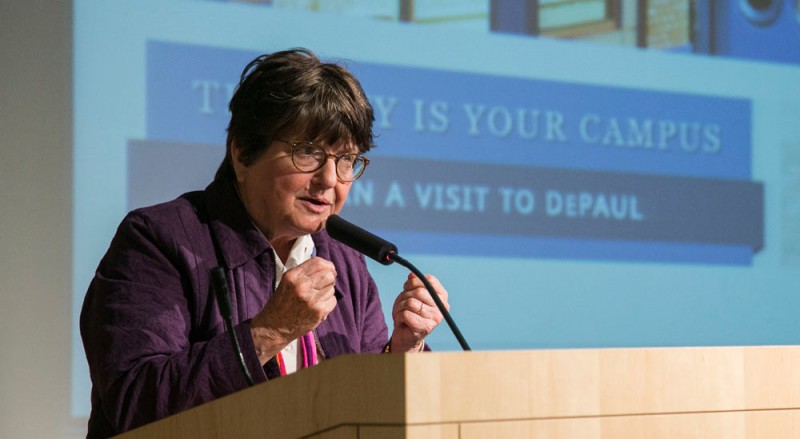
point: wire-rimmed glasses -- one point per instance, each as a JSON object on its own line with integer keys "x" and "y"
{"x": 309, "y": 157}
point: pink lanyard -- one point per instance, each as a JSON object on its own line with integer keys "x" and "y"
{"x": 307, "y": 344}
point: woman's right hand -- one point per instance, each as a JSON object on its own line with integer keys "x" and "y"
{"x": 302, "y": 301}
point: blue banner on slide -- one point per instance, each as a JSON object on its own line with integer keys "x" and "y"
{"x": 410, "y": 195}
{"x": 445, "y": 115}
{"x": 468, "y": 161}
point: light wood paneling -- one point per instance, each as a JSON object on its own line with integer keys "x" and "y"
{"x": 718, "y": 392}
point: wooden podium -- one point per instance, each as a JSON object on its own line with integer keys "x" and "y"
{"x": 669, "y": 393}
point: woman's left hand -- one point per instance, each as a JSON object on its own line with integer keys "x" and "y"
{"x": 415, "y": 314}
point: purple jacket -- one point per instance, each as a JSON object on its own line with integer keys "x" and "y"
{"x": 152, "y": 330}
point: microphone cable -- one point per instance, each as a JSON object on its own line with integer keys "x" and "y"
{"x": 220, "y": 286}
{"x": 450, "y": 322}
{"x": 385, "y": 252}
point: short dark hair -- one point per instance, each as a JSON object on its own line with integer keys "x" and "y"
{"x": 292, "y": 92}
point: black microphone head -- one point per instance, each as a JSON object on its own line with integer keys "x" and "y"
{"x": 360, "y": 240}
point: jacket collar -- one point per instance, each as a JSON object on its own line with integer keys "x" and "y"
{"x": 237, "y": 238}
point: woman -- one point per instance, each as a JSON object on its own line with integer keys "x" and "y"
{"x": 153, "y": 334}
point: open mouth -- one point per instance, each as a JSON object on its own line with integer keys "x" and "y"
{"x": 316, "y": 202}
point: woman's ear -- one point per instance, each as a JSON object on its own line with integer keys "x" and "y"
{"x": 239, "y": 169}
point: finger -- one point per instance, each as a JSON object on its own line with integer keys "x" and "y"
{"x": 437, "y": 286}
{"x": 411, "y": 300}
{"x": 420, "y": 294}
{"x": 416, "y": 313}
{"x": 411, "y": 304}
{"x": 415, "y": 282}
{"x": 314, "y": 266}
{"x": 418, "y": 325}
{"x": 412, "y": 282}
{"x": 317, "y": 272}
{"x": 328, "y": 305}
{"x": 323, "y": 300}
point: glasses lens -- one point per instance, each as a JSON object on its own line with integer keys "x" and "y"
{"x": 308, "y": 157}
{"x": 350, "y": 167}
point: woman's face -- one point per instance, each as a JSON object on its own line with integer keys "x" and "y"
{"x": 284, "y": 202}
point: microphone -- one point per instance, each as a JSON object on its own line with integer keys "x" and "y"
{"x": 385, "y": 252}
{"x": 220, "y": 286}
{"x": 360, "y": 240}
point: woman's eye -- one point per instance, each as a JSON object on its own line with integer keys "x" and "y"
{"x": 307, "y": 150}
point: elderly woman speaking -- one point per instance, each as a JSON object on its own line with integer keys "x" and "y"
{"x": 153, "y": 334}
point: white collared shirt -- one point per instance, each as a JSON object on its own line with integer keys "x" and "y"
{"x": 302, "y": 250}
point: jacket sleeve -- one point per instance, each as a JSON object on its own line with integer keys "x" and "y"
{"x": 146, "y": 358}
{"x": 374, "y": 334}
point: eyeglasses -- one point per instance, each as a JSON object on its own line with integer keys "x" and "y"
{"x": 308, "y": 157}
